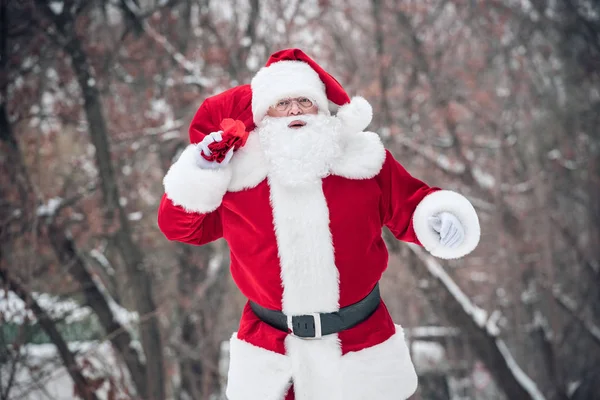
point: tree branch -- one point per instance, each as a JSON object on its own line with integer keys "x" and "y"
{"x": 481, "y": 331}
{"x": 47, "y": 324}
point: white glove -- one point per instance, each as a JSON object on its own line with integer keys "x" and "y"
{"x": 450, "y": 229}
{"x": 203, "y": 148}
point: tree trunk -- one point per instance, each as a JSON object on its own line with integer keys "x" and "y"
{"x": 132, "y": 257}
{"x": 138, "y": 276}
{"x": 65, "y": 250}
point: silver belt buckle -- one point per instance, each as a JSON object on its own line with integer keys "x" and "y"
{"x": 317, "y": 321}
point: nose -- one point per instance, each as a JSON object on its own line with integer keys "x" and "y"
{"x": 295, "y": 109}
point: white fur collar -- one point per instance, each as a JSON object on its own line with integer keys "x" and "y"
{"x": 362, "y": 157}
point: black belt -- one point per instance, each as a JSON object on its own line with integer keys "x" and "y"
{"x": 317, "y": 325}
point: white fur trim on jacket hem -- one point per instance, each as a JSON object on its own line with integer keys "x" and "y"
{"x": 454, "y": 203}
{"x": 356, "y": 115}
{"x": 194, "y": 188}
{"x": 319, "y": 371}
{"x": 384, "y": 371}
{"x": 256, "y": 373}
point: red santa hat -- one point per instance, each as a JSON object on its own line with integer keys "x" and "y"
{"x": 291, "y": 73}
{"x": 288, "y": 73}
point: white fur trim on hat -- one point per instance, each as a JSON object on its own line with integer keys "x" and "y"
{"x": 356, "y": 115}
{"x": 454, "y": 203}
{"x": 193, "y": 188}
{"x": 286, "y": 79}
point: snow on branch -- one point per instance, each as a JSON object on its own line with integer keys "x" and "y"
{"x": 440, "y": 160}
{"x": 122, "y": 316}
{"x": 570, "y": 305}
{"x": 194, "y": 77}
{"x": 13, "y": 309}
{"x": 49, "y": 209}
{"x": 479, "y": 315}
{"x": 168, "y": 130}
{"x": 503, "y": 363}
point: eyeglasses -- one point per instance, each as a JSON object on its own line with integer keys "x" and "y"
{"x": 285, "y": 104}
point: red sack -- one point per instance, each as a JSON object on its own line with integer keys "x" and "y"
{"x": 234, "y": 136}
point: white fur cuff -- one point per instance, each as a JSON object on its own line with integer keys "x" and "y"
{"x": 454, "y": 203}
{"x": 193, "y": 188}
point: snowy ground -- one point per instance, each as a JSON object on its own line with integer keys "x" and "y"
{"x": 38, "y": 373}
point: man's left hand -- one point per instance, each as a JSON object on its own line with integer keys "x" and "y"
{"x": 450, "y": 229}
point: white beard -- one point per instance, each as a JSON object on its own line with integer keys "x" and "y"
{"x": 300, "y": 156}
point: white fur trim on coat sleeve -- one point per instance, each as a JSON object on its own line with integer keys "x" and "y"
{"x": 356, "y": 115}
{"x": 454, "y": 203}
{"x": 194, "y": 188}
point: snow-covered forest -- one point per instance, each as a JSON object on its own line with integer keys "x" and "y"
{"x": 496, "y": 99}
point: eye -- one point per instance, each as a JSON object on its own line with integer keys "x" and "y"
{"x": 304, "y": 102}
{"x": 283, "y": 103}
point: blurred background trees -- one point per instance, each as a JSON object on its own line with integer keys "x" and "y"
{"x": 499, "y": 100}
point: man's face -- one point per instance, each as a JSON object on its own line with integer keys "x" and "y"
{"x": 293, "y": 106}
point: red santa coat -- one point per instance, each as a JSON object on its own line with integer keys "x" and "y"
{"x": 307, "y": 250}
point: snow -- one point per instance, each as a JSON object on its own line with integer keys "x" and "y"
{"x": 502, "y": 91}
{"x": 479, "y": 276}
{"x": 14, "y": 310}
{"x": 214, "y": 264}
{"x": 431, "y": 331}
{"x": 39, "y": 373}
{"x": 571, "y": 305}
{"x": 103, "y": 261}
{"x": 57, "y": 6}
{"x": 484, "y": 179}
{"x": 120, "y": 314}
{"x": 135, "y": 216}
{"x": 492, "y": 323}
{"x": 556, "y": 155}
{"x": 428, "y": 356}
{"x": 478, "y": 314}
{"x": 572, "y": 387}
{"x": 440, "y": 160}
{"x": 480, "y": 317}
{"x": 518, "y": 373}
{"x": 48, "y": 209}
{"x": 245, "y": 41}
{"x": 190, "y": 67}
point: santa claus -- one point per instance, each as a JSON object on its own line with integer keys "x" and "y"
{"x": 302, "y": 206}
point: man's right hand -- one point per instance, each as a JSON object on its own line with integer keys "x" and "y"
{"x": 203, "y": 149}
